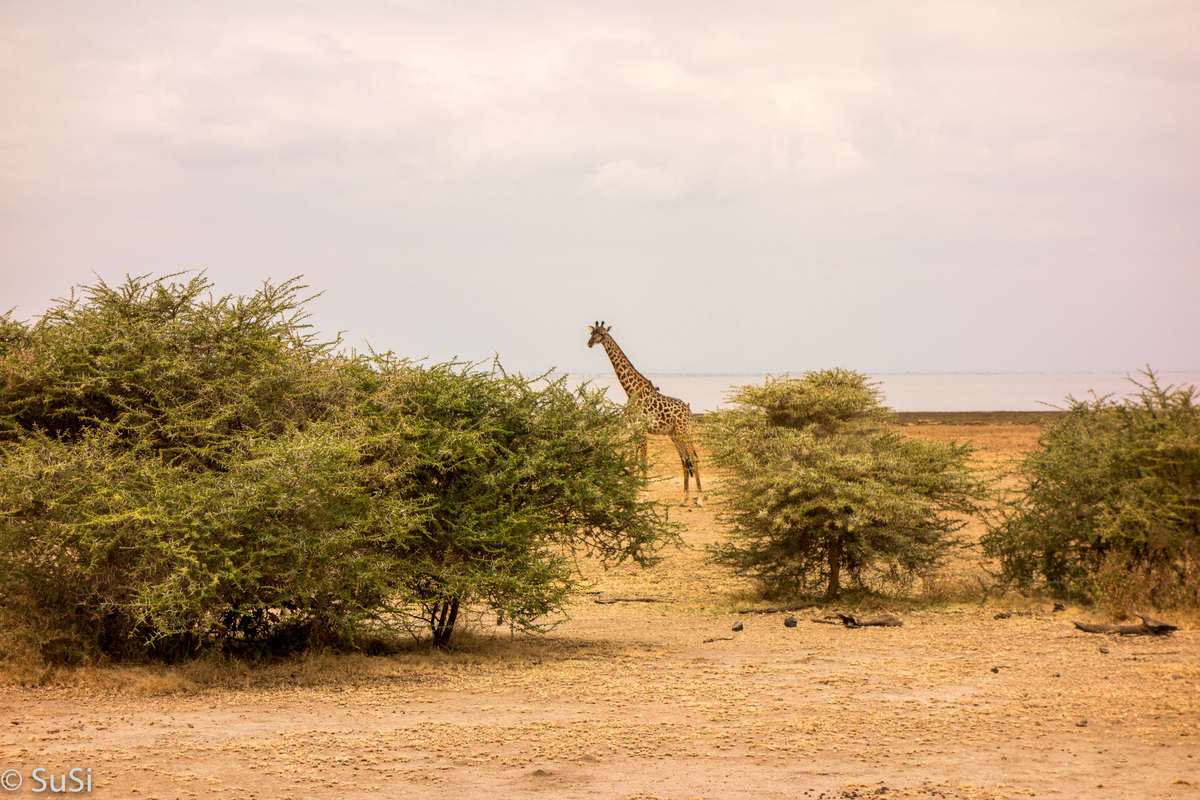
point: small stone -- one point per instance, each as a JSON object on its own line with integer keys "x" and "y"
{"x": 789, "y": 621}
{"x": 737, "y": 626}
{"x": 1081, "y": 723}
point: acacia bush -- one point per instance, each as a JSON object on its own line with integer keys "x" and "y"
{"x": 180, "y": 472}
{"x": 819, "y": 483}
{"x": 508, "y": 480}
{"x": 174, "y": 473}
{"x": 1108, "y": 509}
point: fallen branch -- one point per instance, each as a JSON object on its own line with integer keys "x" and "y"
{"x": 719, "y": 639}
{"x": 884, "y": 621}
{"x": 1149, "y": 627}
{"x": 771, "y": 610}
{"x": 607, "y": 600}
{"x": 851, "y": 621}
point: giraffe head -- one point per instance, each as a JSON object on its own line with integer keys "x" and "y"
{"x": 599, "y": 333}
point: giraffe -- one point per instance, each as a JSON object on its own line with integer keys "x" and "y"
{"x": 668, "y": 415}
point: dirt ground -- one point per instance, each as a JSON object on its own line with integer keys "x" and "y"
{"x": 657, "y": 699}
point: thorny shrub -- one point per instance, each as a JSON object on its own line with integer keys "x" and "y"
{"x": 1108, "y": 509}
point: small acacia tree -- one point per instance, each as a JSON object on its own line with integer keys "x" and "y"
{"x": 509, "y": 479}
{"x": 820, "y": 485}
{"x": 1108, "y": 508}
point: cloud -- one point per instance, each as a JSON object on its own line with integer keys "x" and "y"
{"x": 627, "y": 178}
{"x": 418, "y": 99}
{"x": 637, "y": 104}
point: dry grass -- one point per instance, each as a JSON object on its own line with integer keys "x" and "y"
{"x": 313, "y": 669}
{"x": 951, "y": 587}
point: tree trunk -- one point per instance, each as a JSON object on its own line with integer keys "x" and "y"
{"x": 442, "y": 621}
{"x": 834, "y": 545}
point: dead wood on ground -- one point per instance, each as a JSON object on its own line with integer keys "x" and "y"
{"x": 853, "y": 621}
{"x": 772, "y": 609}
{"x": 1149, "y": 627}
{"x": 607, "y": 600}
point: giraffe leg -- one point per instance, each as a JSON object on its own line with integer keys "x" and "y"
{"x": 694, "y": 456}
{"x": 690, "y": 460}
{"x": 694, "y": 460}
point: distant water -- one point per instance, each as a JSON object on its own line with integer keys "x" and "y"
{"x": 918, "y": 392}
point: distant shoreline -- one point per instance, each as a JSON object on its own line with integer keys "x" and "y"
{"x": 976, "y": 417}
{"x": 923, "y": 394}
{"x": 796, "y": 373}
{"x": 966, "y": 417}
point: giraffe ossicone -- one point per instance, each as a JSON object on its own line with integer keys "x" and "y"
{"x": 668, "y": 415}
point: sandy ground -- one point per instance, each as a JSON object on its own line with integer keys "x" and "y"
{"x": 655, "y": 700}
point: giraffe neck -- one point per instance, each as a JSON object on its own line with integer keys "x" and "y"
{"x": 633, "y": 382}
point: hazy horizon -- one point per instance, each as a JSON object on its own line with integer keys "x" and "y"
{"x": 928, "y": 393}
{"x": 892, "y": 374}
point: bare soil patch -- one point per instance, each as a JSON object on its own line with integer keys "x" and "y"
{"x": 656, "y": 698}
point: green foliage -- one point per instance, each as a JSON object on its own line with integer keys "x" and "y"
{"x": 511, "y": 478}
{"x": 166, "y": 369}
{"x": 122, "y": 554}
{"x": 1111, "y": 499}
{"x": 820, "y": 483}
{"x": 171, "y": 473}
{"x": 179, "y": 472}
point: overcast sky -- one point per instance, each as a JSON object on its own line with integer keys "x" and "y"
{"x": 735, "y": 187}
